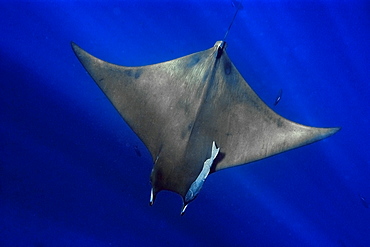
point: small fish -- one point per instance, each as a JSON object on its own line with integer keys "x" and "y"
{"x": 364, "y": 202}
{"x": 278, "y": 97}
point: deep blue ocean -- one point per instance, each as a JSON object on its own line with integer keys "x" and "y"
{"x": 72, "y": 173}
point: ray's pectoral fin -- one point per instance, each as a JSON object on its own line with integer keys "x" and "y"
{"x": 197, "y": 185}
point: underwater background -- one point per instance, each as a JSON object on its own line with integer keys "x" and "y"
{"x": 72, "y": 173}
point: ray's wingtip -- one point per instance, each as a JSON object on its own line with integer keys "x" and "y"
{"x": 74, "y": 46}
{"x": 327, "y": 132}
{"x": 333, "y": 130}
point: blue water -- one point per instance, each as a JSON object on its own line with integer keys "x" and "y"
{"x": 72, "y": 173}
